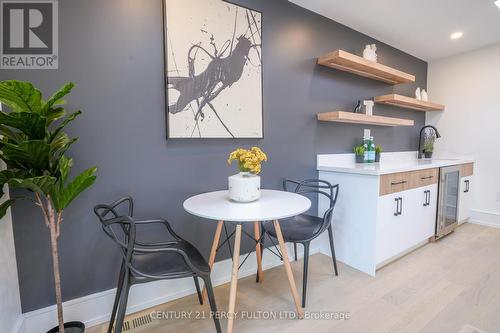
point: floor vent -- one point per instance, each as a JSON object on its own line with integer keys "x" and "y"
{"x": 132, "y": 322}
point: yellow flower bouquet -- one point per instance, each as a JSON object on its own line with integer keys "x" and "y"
{"x": 245, "y": 186}
{"x": 249, "y": 160}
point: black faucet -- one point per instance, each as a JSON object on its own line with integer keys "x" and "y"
{"x": 420, "y": 138}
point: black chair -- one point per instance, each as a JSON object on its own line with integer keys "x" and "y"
{"x": 304, "y": 228}
{"x": 145, "y": 262}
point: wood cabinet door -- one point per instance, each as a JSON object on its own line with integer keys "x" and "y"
{"x": 394, "y": 183}
{"x": 421, "y": 178}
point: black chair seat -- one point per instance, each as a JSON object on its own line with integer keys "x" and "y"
{"x": 296, "y": 229}
{"x": 163, "y": 263}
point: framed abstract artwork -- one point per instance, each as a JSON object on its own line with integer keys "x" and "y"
{"x": 213, "y": 70}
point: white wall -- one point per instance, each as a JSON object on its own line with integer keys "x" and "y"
{"x": 10, "y": 305}
{"x": 469, "y": 86}
{"x": 10, "y": 302}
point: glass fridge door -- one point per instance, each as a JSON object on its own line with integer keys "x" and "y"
{"x": 449, "y": 184}
{"x": 450, "y": 209}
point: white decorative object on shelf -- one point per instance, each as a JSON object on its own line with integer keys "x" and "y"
{"x": 244, "y": 187}
{"x": 370, "y": 52}
{"x": 424, "y": 95}
{"x": 418, "y": 94}
{"x": 368, "y": 107}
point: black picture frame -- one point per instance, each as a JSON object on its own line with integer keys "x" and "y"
{"x": 166, "y": 82}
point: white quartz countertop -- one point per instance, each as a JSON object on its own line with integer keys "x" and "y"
{"x": 389, "y": 163}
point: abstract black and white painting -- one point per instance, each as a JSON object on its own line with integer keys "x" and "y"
{"x": 213, "y": 56}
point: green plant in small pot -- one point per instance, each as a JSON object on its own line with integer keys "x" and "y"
{"x": 359, "y": 152}
{"x": 428, "y": 148}
{"x": 378, "y": 151}
{"x": 33, "y": 147}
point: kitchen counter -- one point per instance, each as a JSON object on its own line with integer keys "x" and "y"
{"x": 385, "y": 210}
{"x": 390, "y": 163}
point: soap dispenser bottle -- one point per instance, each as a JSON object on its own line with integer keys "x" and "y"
{"x": 371, "y": 151}
{"x": 366, "y": 145}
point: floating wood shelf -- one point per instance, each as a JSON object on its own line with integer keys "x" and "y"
{"x": 408, "y": 103}
{"x": 352, "y": 63}
{"x": 361, "y": 118}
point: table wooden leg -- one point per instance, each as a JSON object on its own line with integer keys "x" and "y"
{"x": 258, "y": 253}
{"x": 234, "y": 279}
{"x": 213, "y": 253}
{"x": 288, "y": 269}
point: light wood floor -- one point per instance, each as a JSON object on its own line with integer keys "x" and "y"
{"x": 441, "y": 287}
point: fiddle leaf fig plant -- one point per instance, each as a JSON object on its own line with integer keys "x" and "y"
{"x": 33, "y": 146}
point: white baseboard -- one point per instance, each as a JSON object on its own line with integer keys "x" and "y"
{"x": 95, "y": 309}
{"x": 19, "y": 323}
{"x": 490, "y": 219}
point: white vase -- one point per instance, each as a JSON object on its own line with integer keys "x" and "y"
{"x": 244, "y": 187}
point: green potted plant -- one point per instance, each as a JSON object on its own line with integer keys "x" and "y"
{"x": 428, "y": 148}
{"x": 34, "y": 146}
{"x": 378, "y": 151}
{"x": 359, "y": 152}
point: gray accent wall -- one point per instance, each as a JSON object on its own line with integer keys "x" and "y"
{"x": 113, "y": 50}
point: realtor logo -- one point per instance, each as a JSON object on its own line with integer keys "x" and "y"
{"x": 29, "y": 34}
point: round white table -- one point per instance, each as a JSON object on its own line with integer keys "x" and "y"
{"x": 272, "y": 206}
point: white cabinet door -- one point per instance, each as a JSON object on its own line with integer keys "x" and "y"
{"x": 389, "y": 226}
{"x": 465, "y": 202}
{"x": 425, "y": 214}
{"x": 405, "y": 219}
{"x": 419, "y": 213}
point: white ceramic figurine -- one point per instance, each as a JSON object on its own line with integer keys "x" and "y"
{"x": 424, "y": 95}
{"x": 418, "y": 94}
{"x": 370, "y": 52}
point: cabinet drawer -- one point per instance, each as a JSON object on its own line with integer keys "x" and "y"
{"x": 467, "y": 169}
{"x": 394, "y": 182}
{"x": 421, "y": 178}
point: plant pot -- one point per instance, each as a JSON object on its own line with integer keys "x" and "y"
{"x": 360, "y": 159}
{"x": 428, "y": 154}
{"x": 377, "y": 157}
{"x": 70, "y": 327}
{"x": 244, "y": 187}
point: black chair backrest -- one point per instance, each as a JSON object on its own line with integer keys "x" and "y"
{"x": 315, "y": 186}
{"x": 119, "y": 227}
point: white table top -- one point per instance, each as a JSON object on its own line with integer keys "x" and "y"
{"x": 272, "y": 205}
